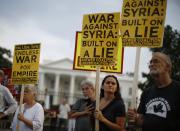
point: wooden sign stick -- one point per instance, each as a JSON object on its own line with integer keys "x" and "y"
{"x": 20, "y": 106}
{"x": 97, "y": 95}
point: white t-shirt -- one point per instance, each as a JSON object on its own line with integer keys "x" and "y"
{"x": 35, "y": 114}
{"x": 63, "y": 111}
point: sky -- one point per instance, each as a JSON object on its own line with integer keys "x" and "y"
{"x": 54, "y": 23}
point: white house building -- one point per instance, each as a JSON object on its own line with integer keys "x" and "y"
{"x": 58, "y": 80}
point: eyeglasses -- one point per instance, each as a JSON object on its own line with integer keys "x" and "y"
{"x": 154, "y": 61}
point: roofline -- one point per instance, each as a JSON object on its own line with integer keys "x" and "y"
{"x": 57, "y": 61}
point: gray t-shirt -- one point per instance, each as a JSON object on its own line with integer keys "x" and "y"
{"x": 7, "y": 99}
{"x": 85, "y": 122}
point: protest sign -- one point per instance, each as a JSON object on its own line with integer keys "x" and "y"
{"x": 115, "y": 68}
{"x": 100, "y": 35}
{"x": 142, "y": 22}
{"x": 26, "y": 64}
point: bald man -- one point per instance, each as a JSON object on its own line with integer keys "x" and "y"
{"x": 159, "y": 108}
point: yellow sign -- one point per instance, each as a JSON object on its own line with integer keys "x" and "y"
{"x": 26, "y": 64}
{"x": 142, "y": 22}
{"x": 99, "y": 43}
{"x": 116, "y": 68}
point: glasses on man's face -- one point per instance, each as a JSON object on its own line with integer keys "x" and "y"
{"x": 154, "y": 61}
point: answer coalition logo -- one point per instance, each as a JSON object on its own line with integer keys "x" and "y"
{"x": 158, "y": 106}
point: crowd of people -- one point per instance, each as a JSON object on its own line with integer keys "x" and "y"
{"x": 158, "y": 109}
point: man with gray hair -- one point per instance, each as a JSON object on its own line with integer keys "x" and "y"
{"x": 8, "y": 105}
{"x": 159, "y": 108}
{"x": 83, "y": 109}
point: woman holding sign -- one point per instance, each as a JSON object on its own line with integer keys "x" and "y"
{"x": 111, "y": 113}
{"x": 32, "y": 116}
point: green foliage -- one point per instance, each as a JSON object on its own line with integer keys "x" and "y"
{"x": 171, "y": 47}
{"x": 5, "y": 55}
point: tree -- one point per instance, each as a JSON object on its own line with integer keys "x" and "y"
{"x": 171, "y": 47}
{"x": 5, "y": 55}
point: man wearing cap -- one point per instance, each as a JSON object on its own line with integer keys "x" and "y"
{"x": 159, "y": 108}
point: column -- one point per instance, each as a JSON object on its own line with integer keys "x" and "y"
{"x": 56, "y": 90}
{"x": 41, "y": 90}
{"x": 72, "y": 86}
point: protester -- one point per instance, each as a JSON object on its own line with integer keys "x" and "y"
{"x": 71, "y": 123}
{"x": 53, "y": 119}
{"x": 64, "y": 109}
{"x": 32, "y": 116}
{"x": 159, "y": 108}
{"x": 111, "y": 113}
{"x": 8, "y": 105}
{"x": 83, "y": 109}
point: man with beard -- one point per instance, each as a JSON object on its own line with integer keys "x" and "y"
{"x": 160, "y": 104}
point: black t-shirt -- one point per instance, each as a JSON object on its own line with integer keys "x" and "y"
{"x": 161, "y": 108}
{"x": 114, "y": 109}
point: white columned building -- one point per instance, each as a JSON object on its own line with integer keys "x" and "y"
{"x": 58, "y": 80}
